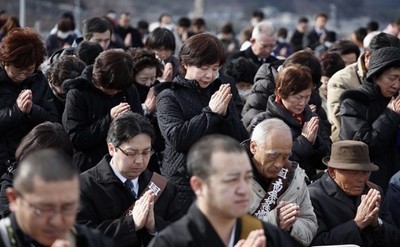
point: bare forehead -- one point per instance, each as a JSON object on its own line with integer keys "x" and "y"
{"x": 224, "y": 162}
{"x": 279, "y": 138}
{"x": 104, "y": 35}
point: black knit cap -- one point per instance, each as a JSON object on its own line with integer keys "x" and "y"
{"x": 382, "y": 59}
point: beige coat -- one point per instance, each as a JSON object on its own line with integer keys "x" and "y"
{"x": 306, "y": 226}
{"x": 348, "y": 78}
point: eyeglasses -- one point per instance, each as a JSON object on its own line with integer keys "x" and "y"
{"x": 68, "y": 210}
{"x": 146, "y": 154}
{"x": 21, "y": 72}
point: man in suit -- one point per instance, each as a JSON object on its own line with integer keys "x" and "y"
{"x": 120, "y": 180}
{"x": 263, "y": 41}
{"x": 221, "y": 177}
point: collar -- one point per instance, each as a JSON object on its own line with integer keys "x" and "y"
{"x": 335, "y": 191}
{"x": 122, "y": 178}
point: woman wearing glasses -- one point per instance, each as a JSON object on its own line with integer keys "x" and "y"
{"x": 25, "y": 97}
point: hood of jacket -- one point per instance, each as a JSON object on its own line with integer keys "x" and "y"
{"x": 84, "y": 81}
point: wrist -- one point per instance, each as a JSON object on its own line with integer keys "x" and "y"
{"x": 377, "y": 224}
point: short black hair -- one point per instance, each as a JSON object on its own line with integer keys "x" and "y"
{"x": 88, "y": 51}
{"x": 128, "y": 125}
{"x": 303, "y": 19}
{"x": 50, "y": 165}
{"x": 95, "y": 25}
{"x": 372, "y": 26}
{"x": 161, "y": 38}
{"x": 331, "y": 63}
{"x": 242, "y": 69}
{"x": 144, "y": 58}
{"x": 200, "y": 154}
{"x": 184, "y": 22}
{"x": 344, "y": 47}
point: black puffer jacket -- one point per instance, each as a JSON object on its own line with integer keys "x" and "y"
{"x": 365, "y": 117}
{"x": 87, "y": 118}
{"x": 264, "y": 86}
{"x": 184, "y": 117}
{"x": 307, "y": 155}
{"x": 14, "y": 124}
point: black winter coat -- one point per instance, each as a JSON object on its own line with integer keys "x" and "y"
{"x": 249, "y": 54}
{"x": 336, "y": 211}
{"x": 87, "y": 118}
{"x": 195, "y": 230}
{"x": 184, "y": 117}
{"x": 264, "y": 86}
{"x": 85, "y": 236}
{"x": 105, "y": 199}
{"x": 307, "y": 155}
{"x": 365, "y": 117}
{"x": 14, "y": 124}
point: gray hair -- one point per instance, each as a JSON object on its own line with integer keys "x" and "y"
{"x": 264, "y": 28}
{"x": 262, "y": 130}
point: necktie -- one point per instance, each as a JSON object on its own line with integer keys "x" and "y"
{"x": 129, "y": 184}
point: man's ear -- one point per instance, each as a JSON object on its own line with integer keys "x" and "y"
{"x": 111, "y": 149}
{"x": 196, "y": 183}
{"x": 331, "y": 172}
{"x": 12, "y": 198}
{"x": 253, "y": 146}
{"x": 252, "y": 41}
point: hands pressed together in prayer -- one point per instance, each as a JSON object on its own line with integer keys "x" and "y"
{"x": 24, "y": 101}
{"x": 368, "y": 210}
{"x": 143, "y": 213}
{"x": 121, "y": 108}
{"x": 150, "y": 102}
{"x": 394, "y": 104}
{"x": 287, "y": 215}
{"x": 310, "y": 129}
{"x": 220, "y": 100}
{"x": 256, "y": 238}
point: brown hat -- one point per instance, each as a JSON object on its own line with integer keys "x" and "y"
{"x": 350, "y": 155}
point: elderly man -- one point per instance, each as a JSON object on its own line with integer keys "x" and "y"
{"x": 44, "y": 203}
{"x": 119, "y": 196}
{"x": 263, "y": 41}
{"x": 280, "y": 194}
{"x": 221, "y": 175}
{"x": 348, "y": 206}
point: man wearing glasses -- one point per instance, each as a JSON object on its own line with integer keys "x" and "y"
{"x": 119, "y": 196}
{"x": 44, "y": 202}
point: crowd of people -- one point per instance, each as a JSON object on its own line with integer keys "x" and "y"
{"x": 169, "y": 135}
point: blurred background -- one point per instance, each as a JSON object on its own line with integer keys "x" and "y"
{"x": 345, "y": 15}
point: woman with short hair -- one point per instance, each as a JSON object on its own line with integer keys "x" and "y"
{"x": 195, "y": 104}
{"x": 311, "y": 141}
{"x": 25, "y": 97}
